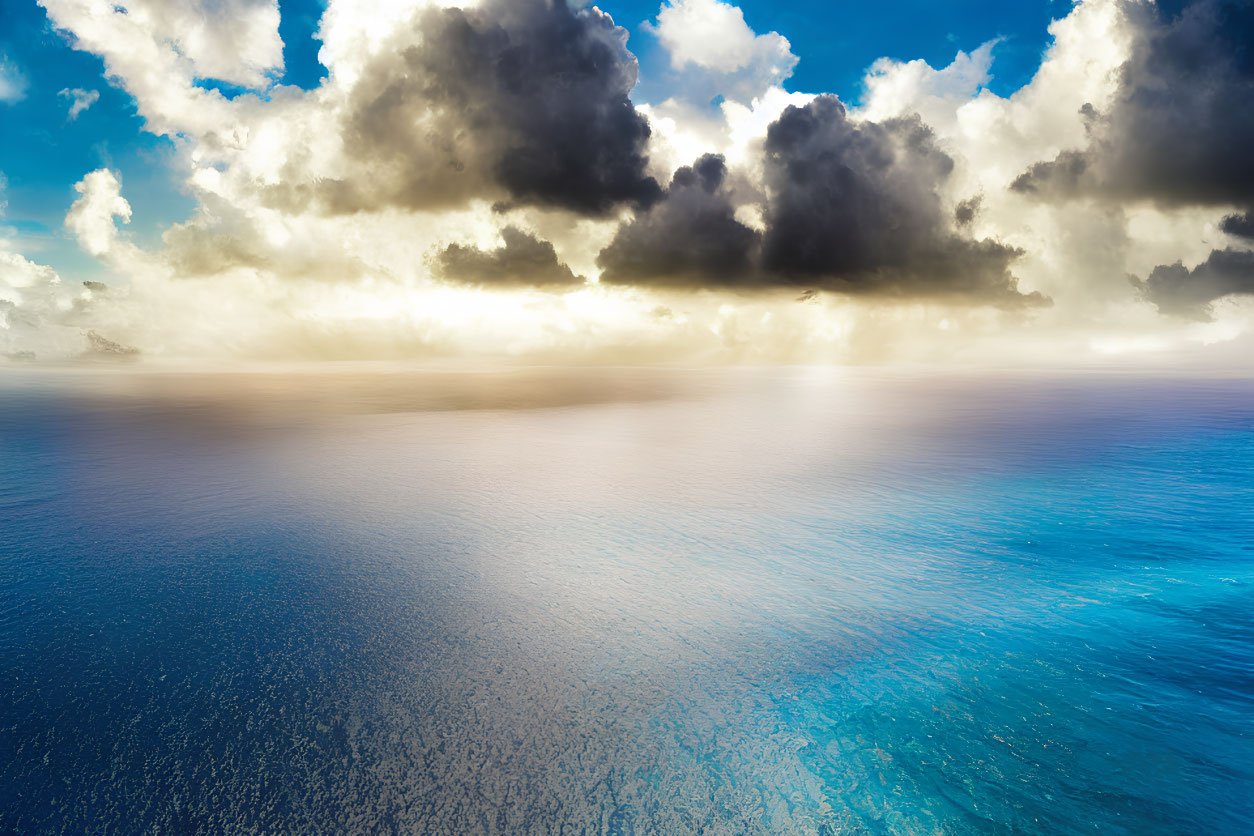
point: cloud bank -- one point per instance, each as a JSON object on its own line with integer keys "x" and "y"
{"x": 476, "y": 178}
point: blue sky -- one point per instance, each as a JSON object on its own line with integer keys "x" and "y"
{"x": 43, "y": 153}
{"x": 836, "y": 41}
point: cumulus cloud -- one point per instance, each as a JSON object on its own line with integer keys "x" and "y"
{"x": 159, "y": 51}
{"x": 1176, "y": 134}
{"x": 711, "y": 35}
{"x": 1179, "y": 129}
{"x": 27, "y": 289}
{"x": 80, "y": 100}
{"x": 40, "y": 315}
{"x": 691, "y": 239}
{"x": 893, "y": 87}
{"x": 525, "y": 102}
{"x": 856, "y": 207}
{"x": 521, "y": 260}
{"x": 236, "y": 41}
{"x": 91, "y": 218}
{"x": 850, "y": 206}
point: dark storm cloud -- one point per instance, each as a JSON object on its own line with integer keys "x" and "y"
{"x": 1239, "y": 226}
{"x": 521, "y": 100}
{"x": 1181, "y": 127}
{"x": 1189, "y": 293}
{"x": 850, "y": 206}
{"x": 965, "y": 212}
{"x": 856, "y": 207}
{"x": 690, "y": 238}
{"x": 521, "y": 261}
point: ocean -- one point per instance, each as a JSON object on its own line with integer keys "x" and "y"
{"x": 626, "y": 601}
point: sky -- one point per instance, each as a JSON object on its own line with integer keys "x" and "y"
{"x": 686, "y": 181}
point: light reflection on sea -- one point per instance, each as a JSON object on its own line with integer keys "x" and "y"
{"x": 624, "y": 601}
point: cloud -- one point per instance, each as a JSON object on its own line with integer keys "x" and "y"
{"x": 80, "y": 100}
{"x": 91, "y": 216}
{"x": 222, "y": 238}
{"x": 159, "y": 51}
{"x": 24, "y": 285}
{"x": 856, "y": 207}
{"x": 324, "y": 217}
{"x": 521, "y": 260}
{"x": 691, "y": 239}
{"x": 40, "y": 316}
{"x": 12, "y": 82}
{"x": 849, "y": 206}
{"x": 101, "y": 347}
{"x": 1239, "y": 225}
{"x": 713, "y": 36}
{"x": 895, "y": 87}
{"x": 525, "y": 102}
{"x": 1082, "y": 222}
{"x": 1176, "y": 134}
{"x": 1189, "y": 293}
{"x": 236, "y": 41}
{"x": 966, "y": 210}
{"x": 43, "y": 318}
{"x": 1179, "y": 129}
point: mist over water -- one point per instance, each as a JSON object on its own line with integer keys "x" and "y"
{"x": 629, "y": 602}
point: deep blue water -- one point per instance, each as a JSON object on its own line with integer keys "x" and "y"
{"x": 627, "y": 602}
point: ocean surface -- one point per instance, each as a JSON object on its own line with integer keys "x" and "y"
{"x": 626, "y": 602}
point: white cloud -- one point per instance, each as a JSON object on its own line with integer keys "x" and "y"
{"x": 12, "y": 82}
{"x": 40, "y": 316}
{"x": 713, "y": 36}
{"x": 353, "y": 32}
{"x": 91, "y": 216}
{"x": 158, "y": 50}
{"x": 80, "y": 100}
{"x": 23, "y": 283}
{"x": 895, "y": 87}
{"x": 236, "y": 41}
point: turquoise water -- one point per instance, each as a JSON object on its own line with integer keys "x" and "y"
{"x": 616, "y": 601}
